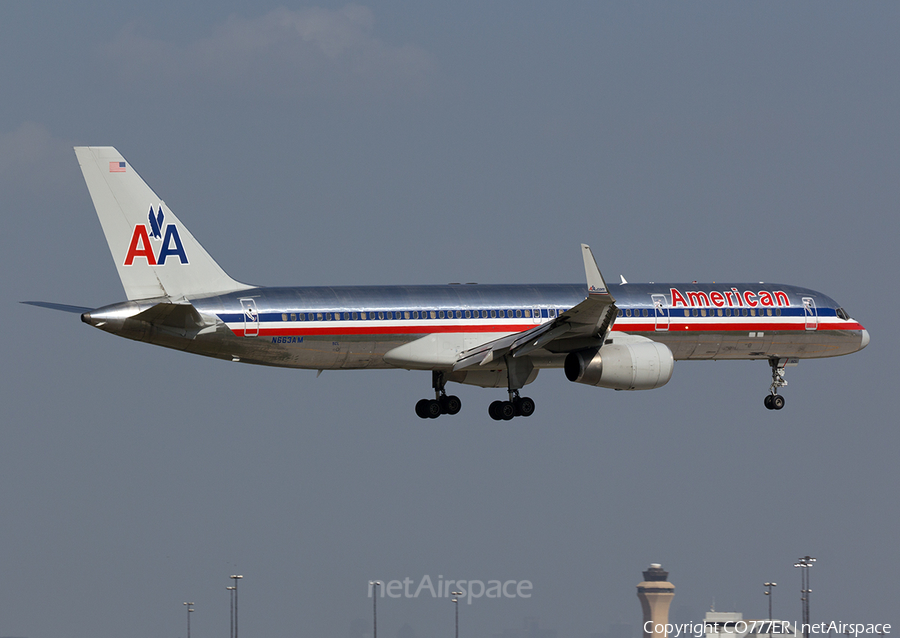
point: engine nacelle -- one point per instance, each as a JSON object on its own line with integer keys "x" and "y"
{"x": 642, "y": 365}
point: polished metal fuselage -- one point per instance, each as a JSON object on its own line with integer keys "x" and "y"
{"x": 353, "y": 327}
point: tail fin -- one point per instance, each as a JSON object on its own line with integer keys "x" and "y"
{"x": 155, "y": 254}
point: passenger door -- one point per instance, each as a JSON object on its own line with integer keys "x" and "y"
{"x": 661, "y": 312}
{"x": 251, "y": 317}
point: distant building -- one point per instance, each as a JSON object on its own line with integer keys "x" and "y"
{"x": 655, "y": 594}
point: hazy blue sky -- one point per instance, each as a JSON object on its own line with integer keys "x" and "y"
{"x": 427, "y": 143}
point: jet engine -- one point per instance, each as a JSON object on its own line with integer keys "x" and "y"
{"x": 638, "y": 365}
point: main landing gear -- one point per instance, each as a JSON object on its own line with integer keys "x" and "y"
{"x": 442, "y": 403}
{"x": 773, "y": 400}
{"x": 517, "y": 373}
{"x": 516, "y": 406}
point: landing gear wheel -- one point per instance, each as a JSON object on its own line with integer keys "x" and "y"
{"x": 434, "y": 408}
{"x": 494, "y": 410}
{"x": 450, "y": 404}
{"x": 777, "y": 402}
{"x": 768, "y": 401}
{"x": 524, "y": 406}
{"x": 507, "y": 410}
{"x": 428, "y": 408}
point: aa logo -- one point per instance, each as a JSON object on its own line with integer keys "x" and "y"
{"x": 165, "y": 238}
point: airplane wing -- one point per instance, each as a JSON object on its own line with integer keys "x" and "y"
{"x": 584, "y": 325}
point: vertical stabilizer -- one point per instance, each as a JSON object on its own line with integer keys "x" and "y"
{"x": 155, "y": 254}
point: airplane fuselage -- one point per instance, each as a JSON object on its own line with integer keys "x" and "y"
{"x": 354, "y": 327}
{"x": 621, "y": 337}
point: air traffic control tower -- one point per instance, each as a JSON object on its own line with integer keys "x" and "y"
{"x": 656, "y": 594}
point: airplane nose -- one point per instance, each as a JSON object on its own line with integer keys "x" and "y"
{"x": 865, "y": 339}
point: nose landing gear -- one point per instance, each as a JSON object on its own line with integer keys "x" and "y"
{"x": 773, "y": 400}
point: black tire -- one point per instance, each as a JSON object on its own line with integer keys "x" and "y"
{"x": 507, "y": 410}
{"x": 777, "y": 402}
{"x": 451, "y": 404}
{"x": 525, "y": 406}
{"x": 768, "y": 401}
{"x": 422, "y": 408}
{"x": 434, "y": 408}
{"x": 494, "y": 410}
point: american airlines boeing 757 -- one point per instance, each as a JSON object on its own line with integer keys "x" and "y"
{"x": 624, "y": 336}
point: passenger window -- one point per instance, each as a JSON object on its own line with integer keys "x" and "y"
{"x": 468, "y": 314}
{"x": 284, "y": 317}
{"x": 518, "y": 314}
{"x": 433, "y": 314}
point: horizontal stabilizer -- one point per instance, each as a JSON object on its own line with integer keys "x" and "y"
{"x": 132, "y": 318}
{"x": 57, "y": 306}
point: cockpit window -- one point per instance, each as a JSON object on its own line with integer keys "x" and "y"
{"x": 840, "y": 312}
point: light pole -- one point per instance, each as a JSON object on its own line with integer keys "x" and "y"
{"x": 769, "y": 587}
{"x": 456, "y": 595}
{"x": 804, "y": 564}
{"x": 231, "y": 611}
{"x": 190, "y": 608}
{"x": 374, "y": 584}
{"x": 236, "y": 578}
